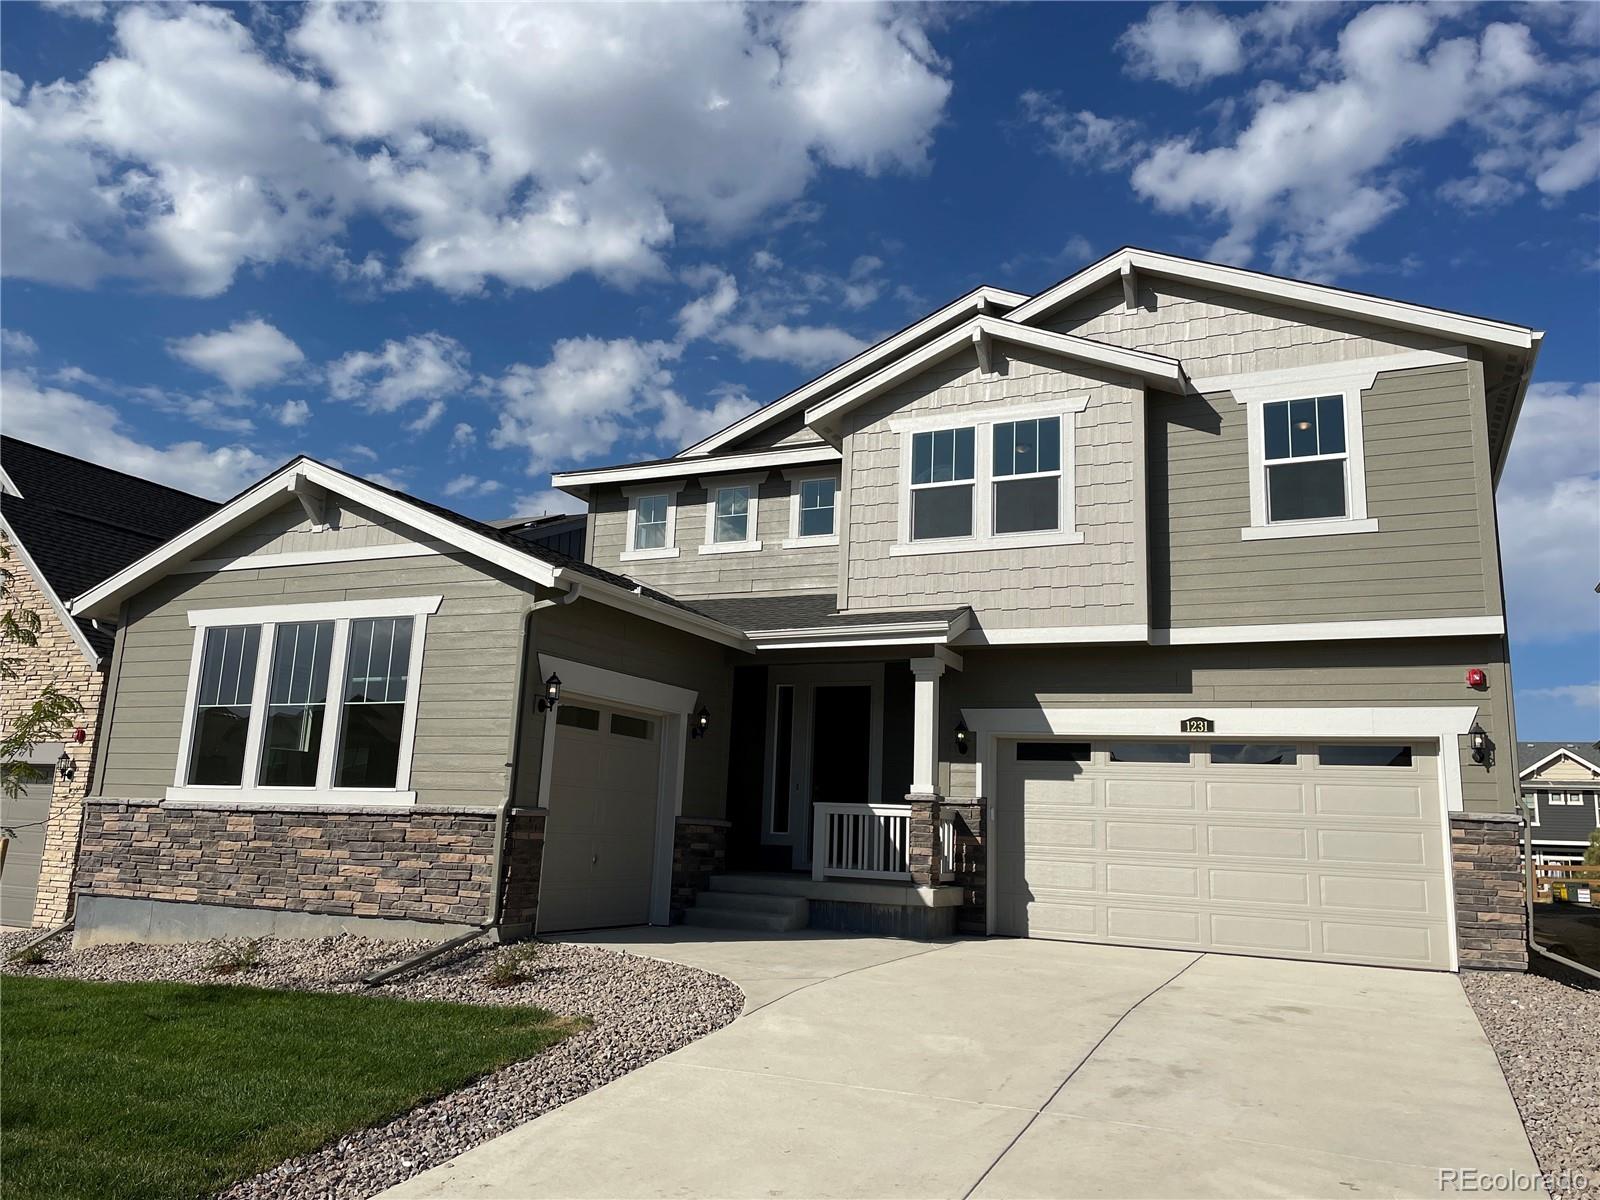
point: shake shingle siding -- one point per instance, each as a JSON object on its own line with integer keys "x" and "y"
{"x": 1097, "y": 582}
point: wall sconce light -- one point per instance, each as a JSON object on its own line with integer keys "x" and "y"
{"x": 700, "y": 722}
{"x": 552, "y": 693}
{"x": 963, "y": 736}
{"x": 1482, "y": 747}
{"x": 66, "y": 769}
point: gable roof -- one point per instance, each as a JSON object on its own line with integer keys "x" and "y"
{"x": 1541, "y": 754}
{"x": 306, "y": 479}
{"x": 75, "y": 523}
{"x": 980, "y": 299}
{"x": 1154, "y": 367}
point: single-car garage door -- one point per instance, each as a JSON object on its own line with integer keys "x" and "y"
{"x": 1329, "y": 851}
{"x": 601, "y": 829}
{"x": 23, "y": 820}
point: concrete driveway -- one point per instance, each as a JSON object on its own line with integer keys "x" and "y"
{"x": 868, "y": 1067}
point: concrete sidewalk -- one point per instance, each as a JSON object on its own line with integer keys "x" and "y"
{"x": 874, "y": 1067}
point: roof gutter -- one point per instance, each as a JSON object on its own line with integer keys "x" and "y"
{"x": 1516, "y": 409}
{"x": 646, "y": 606}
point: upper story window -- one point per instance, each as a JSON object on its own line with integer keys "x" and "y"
{"x": 1305, "y": 459}
{"x": 813, "y": 509}
{"x": 1567, "y": 797}
{"x": 732, "y": 504}
{"x": 652, "y": 521}
{"x": 1027, "y": 475}
{"x": 942, "y": 483}
{"x": 258, "y": 721}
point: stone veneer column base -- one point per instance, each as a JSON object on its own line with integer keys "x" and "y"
{"x": 699, "y": 851}
{"x": 971, "y": 863}
{"x": 924, "y": 856}
{"x": 1491, "y": 891}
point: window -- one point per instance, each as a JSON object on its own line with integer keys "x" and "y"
{"x": 1364, "y": 756}
{"x": 633, "y": 727}
{"x": 650, "y": 523}
{"x": 297, "y": 694}
{"x": 576, "y": 716}
{"x": 302, "y": 702}
{"x": 1149, "y": 752}
{"x": 1305, "y": 459}
{"x": 222, "y": 705}
{"x": 1027, "y": 475}
{"x": 817, "y": 499}
{"x": 942, "y": 484}
{"x": 374, "y": 702}
{"x": 1053, "y": 752}
{"x": 1257, "y": 754}
{"x": 731, "y": 520}
{"x": 1568, "y": 797}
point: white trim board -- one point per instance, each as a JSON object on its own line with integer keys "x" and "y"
{"x": 1330, "y": 631}
{"x": 1559, "y": 752}
{"x": 675, "y": 468}
{"x": 281, "y": 614}
{"x": 980, "y": 299}
{"x": 1053, "y": 634}
{"x": 307, "y": 558}
{"x": 57, "y": 605}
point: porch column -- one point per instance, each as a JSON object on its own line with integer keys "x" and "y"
{"x": 925, "y": 859}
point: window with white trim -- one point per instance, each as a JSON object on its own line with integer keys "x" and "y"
{"x": 1568, "y": 798}
{"x": 308, "y": 702}
{"x": 731, "y": 514}
{"x": 943, "y": 473}
{"x": 818, "y": 499}
{"x": 1027, "y": 475}
{"x": 1305, "y": 459}
{"x": 650, "y": 522}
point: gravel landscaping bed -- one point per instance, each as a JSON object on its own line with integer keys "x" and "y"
{"x": 640, "y": 1009}
{"x": 1545, "y": 1028}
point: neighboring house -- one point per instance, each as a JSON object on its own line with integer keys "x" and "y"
{"x": 1160, "y": 608}
{"x": 1560, "y": 784}
{"x": 67, "y": 524}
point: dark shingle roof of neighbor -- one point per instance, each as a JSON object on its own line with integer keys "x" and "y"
{"x": 811, "y": 611}
{"x": 81, "y": 523}
{"x": 1529, "y": 753}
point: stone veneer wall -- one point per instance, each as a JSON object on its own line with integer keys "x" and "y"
{"x": 699, "y": 851}
{"x": 1491, "y": 890}
{"x": 971, "y": 863}
{"x": 419, "y": 864}
{"x": 57, "y": 659}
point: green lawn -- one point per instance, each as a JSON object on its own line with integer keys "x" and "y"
{"x": 144, "y": 1090}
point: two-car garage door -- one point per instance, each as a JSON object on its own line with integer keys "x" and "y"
{"x": 1330, "y": 851}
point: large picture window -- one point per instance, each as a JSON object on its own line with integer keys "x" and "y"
{"x": 942, "y": 473}
{"x": 307, "y": 702}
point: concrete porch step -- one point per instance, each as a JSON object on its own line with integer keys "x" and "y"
{"x": 745, "y": 918}
{"x": 724, "y": 901}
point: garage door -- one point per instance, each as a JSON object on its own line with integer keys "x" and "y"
{"x": 601, "y": 829}
{"x": 1329, "y": 851}
{"x": 23, "y": 820}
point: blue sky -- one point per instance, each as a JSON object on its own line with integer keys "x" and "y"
{"x": 457, "y": 248}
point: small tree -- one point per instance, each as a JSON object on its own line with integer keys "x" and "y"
{"x": 1591, "y": 856}
{"x": 48, "y": 716}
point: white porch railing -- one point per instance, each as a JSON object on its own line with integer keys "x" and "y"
{"x": 869, "y": 841}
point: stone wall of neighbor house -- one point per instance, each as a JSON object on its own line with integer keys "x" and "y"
{"x": 699, "y": 851}
{"x": 417, "y": 864}
{"x": 1491, "y": 891}
{"x": 971, "y": 863}
{"x": 55, "y": 659}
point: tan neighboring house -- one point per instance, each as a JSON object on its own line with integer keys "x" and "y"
{"x": 67, "y": 524}
{"x": 1160, "y": 608}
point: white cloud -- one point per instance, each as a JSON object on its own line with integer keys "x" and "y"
{"x": 1311, "y": 167}
{"x": 427, "y": 418}
{"x": 865, "y": 282}
{"x": 1549, "y": 502}
{"x": 360, "y": 451}
{"x": 193, "y": 149}
{"x": 802, "y": 345}
{"x": 246, "y": 355}
{"x": 682, "y": 424}
{"x": 88, "y": 429}
{"x": 1480, "y": 191}
{"x": 463, "y": 436}
{"x": 472, "y": 485}
{"x": 1583, "y": 695}
{"x": 1183, "y": 45}
{"x": 1080, "y": 136}
{"x": 14, "y": 341}
{"x": 704, "y": 313}
{"x": 293, "y": 413}
{"x": 546, "y": 504}
{"x": 425, "y": 367}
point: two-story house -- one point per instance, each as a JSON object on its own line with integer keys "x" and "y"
{"x": 1160, "y": 608}
{"x": 1560, "y": 784}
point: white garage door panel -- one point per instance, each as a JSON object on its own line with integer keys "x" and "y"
{"x": 1300, "y": 861}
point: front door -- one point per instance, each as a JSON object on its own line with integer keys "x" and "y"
{"x": 824, "y": 745}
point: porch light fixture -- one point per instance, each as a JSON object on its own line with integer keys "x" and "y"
{"x": 552, "y": 693}
{"x": 963, "y": 735}
{"x": 1482, "y": 747}
{"x": 700, "y": 722}
{"x": 66, "y": 768}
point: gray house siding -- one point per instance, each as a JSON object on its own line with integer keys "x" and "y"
{"x": 289, "y": 530}
{"x": 1433, "y": 555}
{"x": 1317, "y": 675}
{"x": 1214, "y": 333}
{"x": 771, "y": 570}
{"x": 1564, "y": 822}
{"x": 1101, "y": 581}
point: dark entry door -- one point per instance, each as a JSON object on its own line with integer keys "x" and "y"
{"x": 841, "y": 745}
